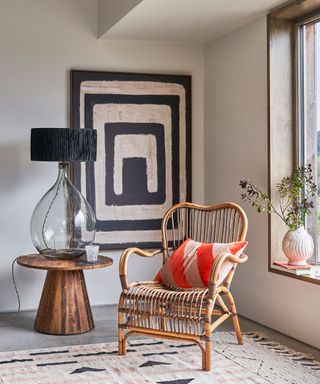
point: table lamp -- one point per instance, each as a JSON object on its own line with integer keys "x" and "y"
{"x": 63, "y": 222}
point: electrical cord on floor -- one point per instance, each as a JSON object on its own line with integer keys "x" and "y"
{"x": 15, "y": 286}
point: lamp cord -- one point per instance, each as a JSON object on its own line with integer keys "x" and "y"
{"x": 15, "y": 285}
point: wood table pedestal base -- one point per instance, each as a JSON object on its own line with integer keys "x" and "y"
{"x": 64, "y": 307}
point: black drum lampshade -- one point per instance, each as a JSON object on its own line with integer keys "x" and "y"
{"x": 63, "y": 144}
{"x": 63, "y": 222}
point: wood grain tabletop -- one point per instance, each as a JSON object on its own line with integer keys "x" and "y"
{"x": 38, "y": 261}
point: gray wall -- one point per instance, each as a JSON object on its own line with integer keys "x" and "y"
{"x": 236, "y": 146}
{"x": 40, "y": 40}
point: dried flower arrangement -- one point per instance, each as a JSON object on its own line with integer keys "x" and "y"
{"x": 296, "y": 197}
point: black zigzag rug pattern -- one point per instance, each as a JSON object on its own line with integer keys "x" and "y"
{"x": 259, "y": 361}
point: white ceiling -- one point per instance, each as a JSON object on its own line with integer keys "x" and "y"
{"x": 197, "y": 21}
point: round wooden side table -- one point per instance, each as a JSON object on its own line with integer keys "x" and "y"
{"x": 64, "y": 307}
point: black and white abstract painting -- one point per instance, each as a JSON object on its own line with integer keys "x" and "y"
{"x": 143, "y": 162}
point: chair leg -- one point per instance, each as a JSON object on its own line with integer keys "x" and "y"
{"x": 237, "y": 328}
{"x": 206, "y": 357}
{"x": 122, "y": 345}
{"x": 122, "y": 348}
{"x": 235, "y": 319}
{"x": 120, "y": 341}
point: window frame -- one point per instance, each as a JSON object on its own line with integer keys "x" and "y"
{"x": 283, "y": 31}
{"x": 305, "y": 99}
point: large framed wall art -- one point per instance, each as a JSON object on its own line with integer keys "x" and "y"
{"x": 143, "y": 165}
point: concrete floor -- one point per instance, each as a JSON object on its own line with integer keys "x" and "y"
{"x": 17, "y": 333}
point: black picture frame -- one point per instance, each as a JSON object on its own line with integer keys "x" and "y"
{"x": 143, "y": 165}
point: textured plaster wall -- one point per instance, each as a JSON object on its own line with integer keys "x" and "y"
{"x": 40, "y": 41}
{"x": 236, "y": 146}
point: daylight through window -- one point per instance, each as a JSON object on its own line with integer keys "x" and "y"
{"x": 308, "y": 112}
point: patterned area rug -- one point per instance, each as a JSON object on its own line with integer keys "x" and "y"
{"x": 259, "y": 360}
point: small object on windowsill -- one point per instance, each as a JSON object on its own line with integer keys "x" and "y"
{"x": 285, "y": 265}
{"x": 315, "y": 272}
{"x": 296, "y": 269}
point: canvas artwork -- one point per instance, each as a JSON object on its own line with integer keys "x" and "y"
{"x": 143, "y": 165}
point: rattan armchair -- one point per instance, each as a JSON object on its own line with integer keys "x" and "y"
{"x": 153, "y": 309}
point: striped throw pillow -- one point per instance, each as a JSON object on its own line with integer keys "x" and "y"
{"x": 190, "y": 264}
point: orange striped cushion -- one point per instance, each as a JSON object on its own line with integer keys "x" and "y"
{"x": 190, "y": 264}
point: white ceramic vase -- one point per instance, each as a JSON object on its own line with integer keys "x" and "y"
{"x": 297, "y": 246}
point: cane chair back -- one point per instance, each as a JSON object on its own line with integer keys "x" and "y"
{"x": 222, "y": 223}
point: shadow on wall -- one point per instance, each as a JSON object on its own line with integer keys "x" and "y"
{"x": 22, "y": 184}
{"x": 11, "y": 167}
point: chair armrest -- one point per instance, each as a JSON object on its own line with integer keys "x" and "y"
{"x": 217, "y": 265}
{"x": 123, "y": 264}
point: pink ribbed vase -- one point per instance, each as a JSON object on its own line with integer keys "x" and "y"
{"x": 297, "y": 246}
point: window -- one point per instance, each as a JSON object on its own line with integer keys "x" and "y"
{"x": 308, "y": 117}
{"x": 294, "y": 100}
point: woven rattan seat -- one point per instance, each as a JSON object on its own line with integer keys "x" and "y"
{"x": 163, "y": 308}
{"x": 153, "y": 309}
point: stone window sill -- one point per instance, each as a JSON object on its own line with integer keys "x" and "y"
{"x": 313, "y": 277}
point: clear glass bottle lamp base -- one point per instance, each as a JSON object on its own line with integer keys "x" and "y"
{"x": 63, "y": 222}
